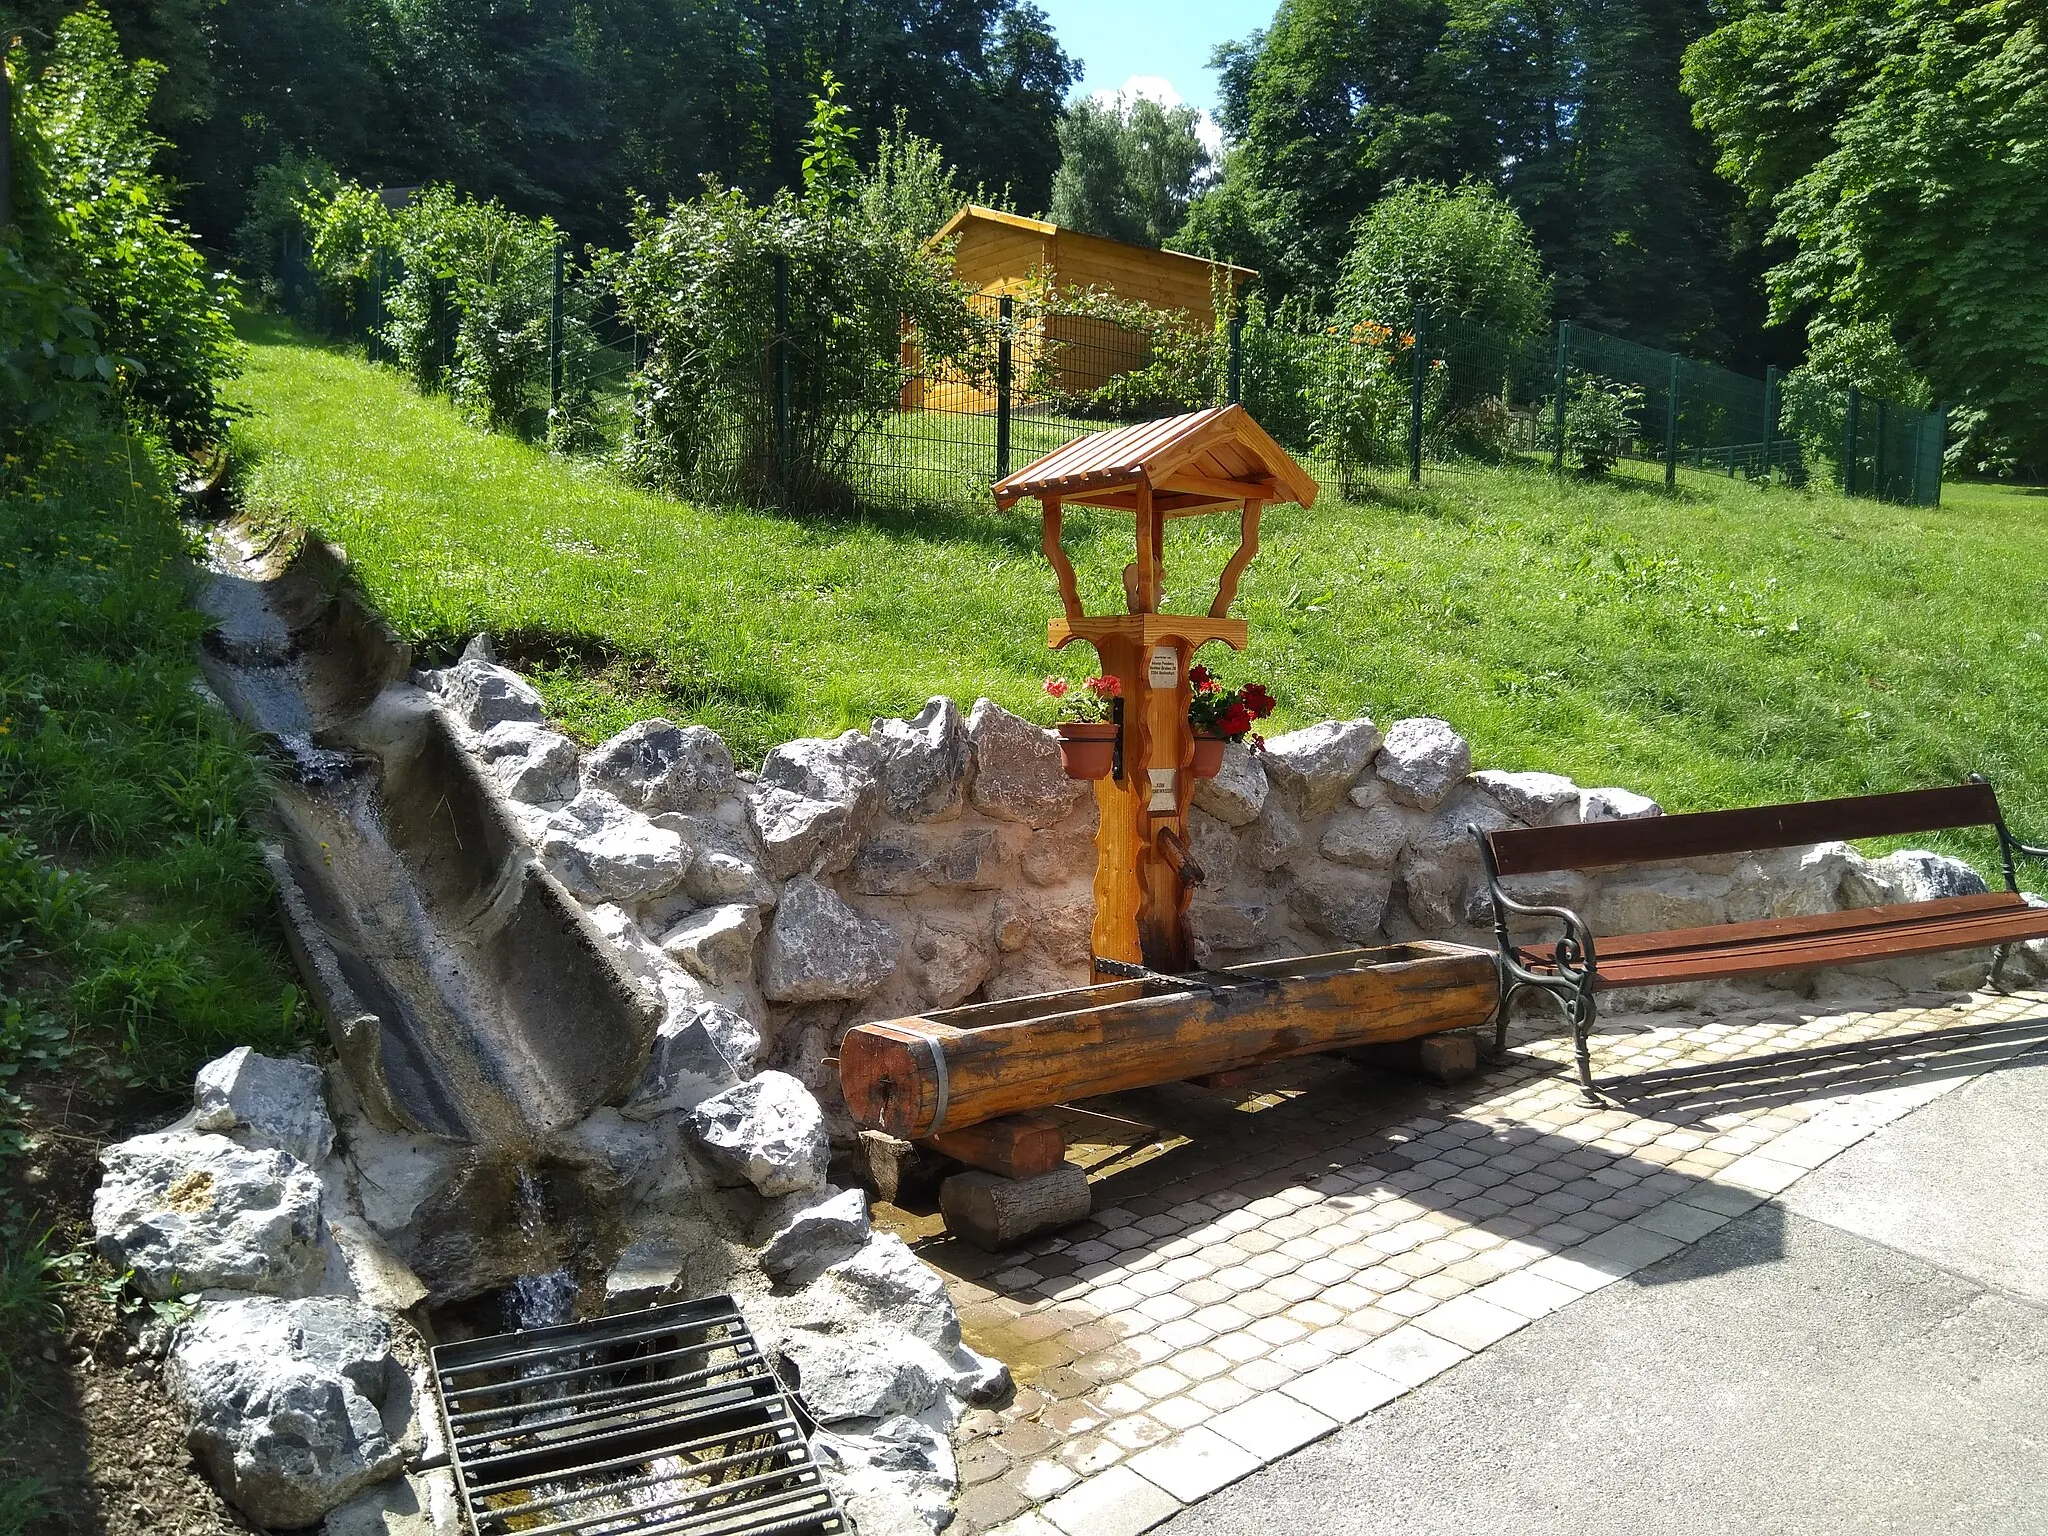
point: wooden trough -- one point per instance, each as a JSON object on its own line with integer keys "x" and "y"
{"x": 922, "y": 1077}
{"x": 963, "y": 1081}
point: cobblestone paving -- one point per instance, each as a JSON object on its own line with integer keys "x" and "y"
{"x": 1260, "y": 1270}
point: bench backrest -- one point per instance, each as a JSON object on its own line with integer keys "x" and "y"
{"x": 1704, "y": 834}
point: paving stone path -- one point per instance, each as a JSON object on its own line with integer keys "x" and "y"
{"x": 1268, "y": 1268}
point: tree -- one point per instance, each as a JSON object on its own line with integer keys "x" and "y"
{"x": 1461, "y": 260}
{"x": 1902, "y": 149}
{"x": 1571, "y": 108}
{"x": 1127, "y": 169}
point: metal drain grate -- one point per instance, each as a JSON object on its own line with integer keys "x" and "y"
{"x": 665, "y": 1422}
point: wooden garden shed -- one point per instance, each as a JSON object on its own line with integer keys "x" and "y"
{"x": 1001, "y": 254}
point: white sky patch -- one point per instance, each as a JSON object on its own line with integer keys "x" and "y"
{"x": 1160, "y": 89}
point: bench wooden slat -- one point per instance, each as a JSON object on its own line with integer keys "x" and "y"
{"x": 1741, "y": 955}
{"x": 1707, "y": 834}
{"x": 1717, "y": 935}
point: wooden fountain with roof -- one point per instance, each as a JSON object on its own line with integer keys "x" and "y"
{"x": 965, "y": 1081}
{"x": 1187, "y": 466}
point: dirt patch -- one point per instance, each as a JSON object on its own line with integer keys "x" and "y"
{"x": 89, "y": 1418}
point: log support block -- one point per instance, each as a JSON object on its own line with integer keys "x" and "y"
{"x": 1013, "y": 1146}
{"x": 1447, "y": 1058}
{"x": 996, "y": 1213}
{"x": 1232, "y": 1079}
{"x": 895, "y": 1167}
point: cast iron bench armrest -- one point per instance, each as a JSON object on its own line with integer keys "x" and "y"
{"x": 1574, "y": 960}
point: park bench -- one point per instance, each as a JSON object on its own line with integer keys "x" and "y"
{"x": 1575, "y": 968}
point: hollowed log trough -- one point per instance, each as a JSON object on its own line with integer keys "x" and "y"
{"x": 930, "y": 1078}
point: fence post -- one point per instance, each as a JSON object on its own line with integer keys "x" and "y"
{"x": 1417, "y": 371}
{"x": 1877, "y": 484}
{"x": 1234, "y": 382}
{"x": 1671, "y": 426}
{"x": 1564, "y": 352}
{"x": 1849, "y": 425}
{"x": 555, "y": 342}
{"x": 781, "y": 345}
{"x": 1005, "y": 309}
{"x": 1770, "y": 413}
{"x": 1940, "y": 446}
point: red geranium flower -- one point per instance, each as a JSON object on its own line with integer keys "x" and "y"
{"x": 1202, "y": 680}
{"x": 1236, "y": 720}
{"x": 1257, "y": 700}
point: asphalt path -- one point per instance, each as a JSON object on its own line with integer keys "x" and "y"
{"x": 1868, "y": 1353}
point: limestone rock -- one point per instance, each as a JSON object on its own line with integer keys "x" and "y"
{"x": 1223, "y": 925}
{"x": 1065, "y": 930}
{"x": 1214, "y": 845}
{"x": 293, "y": 1407}
{"x": 397, "y": 1173}
{"x": 768, "y": 1132}
{"x": 820, "y": 948}
{"x": 1318, "y": 764}
{"x": 649, "y": 1269}
{"x": 729, "y": 868}
{"x": 1344, "y": 904}
{"x": 1371, "y": 839}
{"x": 656, "y": 765}
{"x": 1271, "y": 841}
{"x": 818, "y": 1235}
{"x": 842, "y": 771}
{"x": 262, "y": 1101}
{"x": 1058, "y": 855}
{"x": 192, "y": 1211}
{"x": 1436, "y": 892}
{"x": 1921, "y": 876}
{"x": 799, "y": 833}
{"x": 904, "y": 861}
{"x": 864, "y": 1374}
{"x": 619, "y": 1158}
{"x": 1652, "y": 903}
{"x": 952, "y": 960}
{"x": 697, "y": 1055}
{"x": 418, "y": 1504}
{"x": 1017, "y": 774}
{"x": 1421, "y": 760}
{"x": 603, "y": 850}
{"x": 897, "y": 1288}
{"x": 1616, "y": 805}
{"x": 1791, "y": 882}
{"x": 898, "y": 1480}
{"x": 1012, "y": 927}
{"x": 531, "y": 763}
{"x": 1533, "y": 799}
{"x": 482, "y": 694}
{"x": 716, "y": 943}
{"x": 1238, "y": 791}
{"x": 924, "y": 763}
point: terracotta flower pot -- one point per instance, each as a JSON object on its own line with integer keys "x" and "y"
{"x": 1209, "y": 756}
{"x": 1087, "y": 748}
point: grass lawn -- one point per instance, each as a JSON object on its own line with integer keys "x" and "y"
{"x": 1723, "y": 645}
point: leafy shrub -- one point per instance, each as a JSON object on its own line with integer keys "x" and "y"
{"x": 95, "y": 222}
{"x": 1601, "y": 418}
{"x": 466, "y": 288}
{"x": 1359, "y": 393}
{"x": 1159, "y": 361}
{"x": 699, "y": 284}
{"x": 1465, "y": 260}
{"x": 1813, "y": 399}
{"x": 278, "y": 195}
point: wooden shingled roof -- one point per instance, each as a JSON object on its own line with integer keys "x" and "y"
{"x": 1195, "y": 463}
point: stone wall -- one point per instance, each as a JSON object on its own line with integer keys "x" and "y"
{"x": 933, "y": 861}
